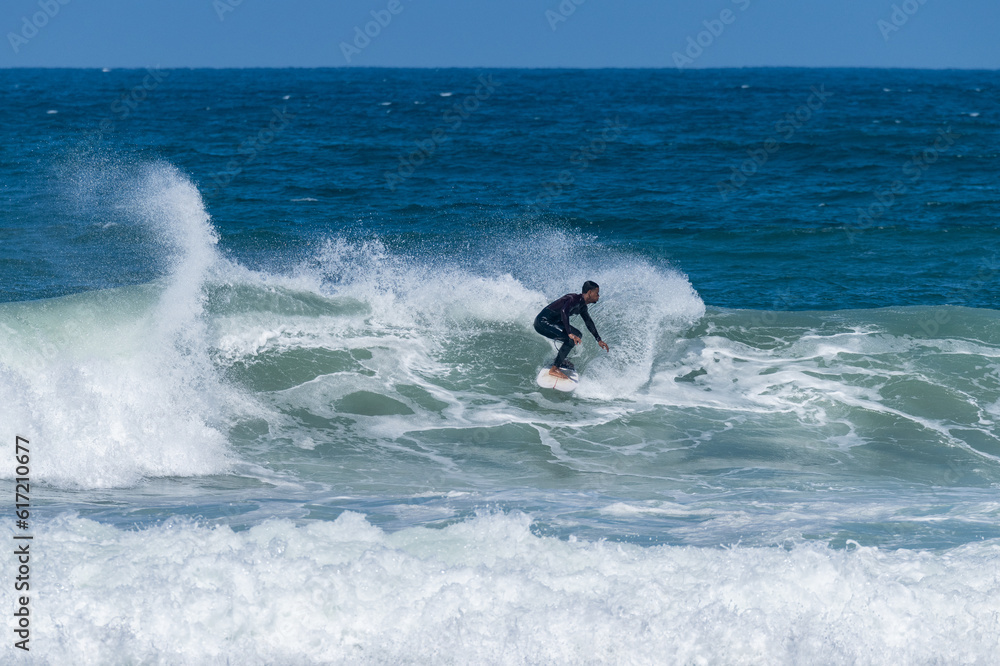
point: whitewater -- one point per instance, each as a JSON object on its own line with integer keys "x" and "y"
{"x": 670, "y": 510}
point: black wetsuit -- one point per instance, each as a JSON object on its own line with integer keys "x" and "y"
{"x": 553, "y": 323}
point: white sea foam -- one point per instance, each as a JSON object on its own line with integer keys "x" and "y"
{"x": 434, "y": 301}
{"x": 843, "y": 383}
{"x": 428, "y": 320}
{"x": 489, "y": 591}
{"x": 119, "y": 385}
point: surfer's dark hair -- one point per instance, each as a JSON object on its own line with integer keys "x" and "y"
{"x": 589, "y": 285}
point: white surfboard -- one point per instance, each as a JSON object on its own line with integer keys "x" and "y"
{"x": 545, "y": 380}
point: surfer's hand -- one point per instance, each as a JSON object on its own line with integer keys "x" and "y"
{"x": 604, "y": 345}
{"x": 574, "y": 338}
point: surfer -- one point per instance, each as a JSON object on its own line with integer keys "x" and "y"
{"x": 553, "y": 323}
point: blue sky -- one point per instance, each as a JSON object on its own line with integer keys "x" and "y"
{"x": 501, "y": 33}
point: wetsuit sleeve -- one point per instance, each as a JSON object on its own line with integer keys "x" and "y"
{"x": 590, "y": 323}
{"x": 564, "y": 311}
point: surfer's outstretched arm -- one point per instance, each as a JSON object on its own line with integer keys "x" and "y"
{"x": 591, "y": 294}
{"x": 590, "y": 323}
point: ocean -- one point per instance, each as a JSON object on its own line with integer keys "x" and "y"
{"x": 266, "y": 337}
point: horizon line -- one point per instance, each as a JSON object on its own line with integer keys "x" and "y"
{"x": 106, "y": 68}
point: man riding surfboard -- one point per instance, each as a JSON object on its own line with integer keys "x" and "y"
{"x": 553, "y": 323}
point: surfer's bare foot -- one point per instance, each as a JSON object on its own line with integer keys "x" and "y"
{"x": 556, "y": 372}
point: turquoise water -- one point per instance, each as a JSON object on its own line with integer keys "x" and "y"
{"x": 269, "y": 334}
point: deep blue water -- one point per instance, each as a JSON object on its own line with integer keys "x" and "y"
{"x": 533, "y": 152}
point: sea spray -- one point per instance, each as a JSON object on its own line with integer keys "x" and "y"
{"x": 118, "y": 385}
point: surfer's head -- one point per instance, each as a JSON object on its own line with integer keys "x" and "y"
{"x": 591, "y": 292}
